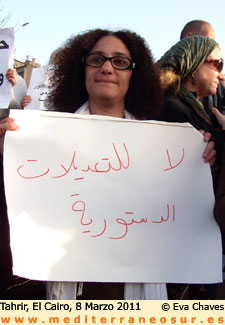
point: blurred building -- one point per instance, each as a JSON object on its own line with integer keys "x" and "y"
{"x": 24, "y": 69}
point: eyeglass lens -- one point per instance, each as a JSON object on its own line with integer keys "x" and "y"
{"x": 118, "y": 62}
{"x": 218, "y": 64}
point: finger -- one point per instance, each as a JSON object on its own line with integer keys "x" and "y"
{"x": 7, "y": 119}
{"x": 25, "y": 102}
{"x": 207, "y": 136}
{"x": 216, "y": 112}
{"x": 211, "y": 158}
{"x": 211, "y": 163}
{"x": 222, "y": 76}
{"x": 220, "y": 117}
{"x": 10, "y": 70}
{"x": 2, "y": 132}
{"x": 8, "y": 125}
{"x": 209, "y": 148}
{"x": 10, "y": 74}
{"x": 211, "y": 155}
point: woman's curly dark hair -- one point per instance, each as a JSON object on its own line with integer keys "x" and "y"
{"x": 68, "y": 91}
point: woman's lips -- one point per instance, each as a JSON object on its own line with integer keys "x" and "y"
{"x": 106, "y": 81}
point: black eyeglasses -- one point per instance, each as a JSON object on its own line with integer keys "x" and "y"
{"x": 218, "y": 64}
{"x": 117, "y": 62}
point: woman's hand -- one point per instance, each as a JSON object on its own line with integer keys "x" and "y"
{"x": 209, "y": 154}
{"x": 7, "y": 124}
{"x": 26, "y": 100}
{"x": 11, "y": 76}
{"x": 220, "y": 117}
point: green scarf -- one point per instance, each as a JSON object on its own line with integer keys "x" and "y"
{"x": 184, "y": 58}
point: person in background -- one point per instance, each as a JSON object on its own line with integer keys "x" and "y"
{"x": 198, "y": 27}
{"x": 189, "y": 71}
{"x": 219, "y": 210}
{"x": 19, "y": 89}
{"x": 50, "y": 68}
{"x": 203, "y": 28}
{"x": 12, "y": 287}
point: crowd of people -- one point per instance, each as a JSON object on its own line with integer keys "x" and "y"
{"x": 112, "y": 73}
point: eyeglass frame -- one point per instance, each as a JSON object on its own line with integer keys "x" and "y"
{"x": 131, "y": 66}
{"x": 218, "y": 64}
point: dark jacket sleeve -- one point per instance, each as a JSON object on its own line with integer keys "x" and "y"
{"x": 219, "y": 209}
{"x": 175, "y": 110}
{"x": 5, "y": 252}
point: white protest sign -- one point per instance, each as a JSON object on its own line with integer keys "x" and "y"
{"x": 6, "y": 59}
{"x": 38, "y": 88}
{"x": 104, "y": 199}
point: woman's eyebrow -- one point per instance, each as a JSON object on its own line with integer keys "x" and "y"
{"x": 114, "y": 53}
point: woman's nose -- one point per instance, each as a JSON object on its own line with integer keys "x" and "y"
{"x": 221, "y": 76}
{"x": 107, "y": 67}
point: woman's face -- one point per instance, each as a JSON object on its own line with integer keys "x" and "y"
{"x": 105, "y": 83}
{"x": 207, "y": 76}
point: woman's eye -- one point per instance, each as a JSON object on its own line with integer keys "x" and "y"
{"x": 120, "y": 61}
{"x": 96, "y": 59}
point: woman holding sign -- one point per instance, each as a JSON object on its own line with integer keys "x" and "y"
{"x": 106, "y": 73}
{"x": 117, "y": 79}
{"x": 112, "y": 74}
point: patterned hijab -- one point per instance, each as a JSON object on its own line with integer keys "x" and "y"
{"x": 184, "y": 58}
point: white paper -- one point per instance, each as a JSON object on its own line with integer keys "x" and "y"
{"x": 102, "y": 199}
{"x": 38, "y": 88}
{"x": 6, "y": 59}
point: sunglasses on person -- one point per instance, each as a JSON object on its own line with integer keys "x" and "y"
{"x": 217, "y": 64}
{"x": 118, "y": 62}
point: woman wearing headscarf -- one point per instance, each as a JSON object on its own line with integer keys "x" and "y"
{"x": 190, "y": 70}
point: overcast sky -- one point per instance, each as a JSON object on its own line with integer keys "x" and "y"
{"x": 160, "y": 22}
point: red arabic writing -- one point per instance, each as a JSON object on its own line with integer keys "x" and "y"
{"x": 176, "y": 165}
{"x": 102, "y": 166}
{"x": 79, "y": 206}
